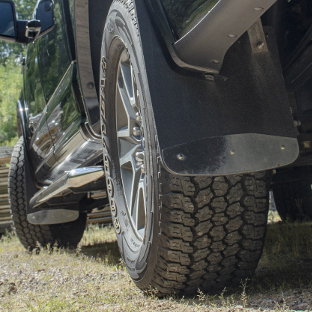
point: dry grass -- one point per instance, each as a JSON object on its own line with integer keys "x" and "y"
{"x": 94, "y": 279}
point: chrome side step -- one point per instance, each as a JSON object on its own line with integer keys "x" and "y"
{"x": 69, "y": 180}
{"x": 53, "y": 216}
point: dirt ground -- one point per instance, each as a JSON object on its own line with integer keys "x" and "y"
{"x": 93, "y": 278}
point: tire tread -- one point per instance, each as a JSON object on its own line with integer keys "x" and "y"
{"x": 34, "y": 236}
{"x": 212, "y": 229}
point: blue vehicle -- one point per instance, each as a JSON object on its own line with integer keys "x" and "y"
{"x": 173, "y": 113}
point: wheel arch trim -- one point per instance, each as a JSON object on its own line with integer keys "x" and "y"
{"x": 84, "y": 61}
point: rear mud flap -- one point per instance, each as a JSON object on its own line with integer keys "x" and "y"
{"x": 235, "y": 122}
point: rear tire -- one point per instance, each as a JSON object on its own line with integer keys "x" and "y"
{"x": 30, "y": 235}
{"x": 176, "y": 234}
{"x": 293, "y": 199}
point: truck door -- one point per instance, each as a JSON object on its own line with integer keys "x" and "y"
{"x": 40, "y": 146}
{"x": 57, "y": 68}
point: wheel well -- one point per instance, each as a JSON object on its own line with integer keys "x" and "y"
{"x": 98, "y": 10}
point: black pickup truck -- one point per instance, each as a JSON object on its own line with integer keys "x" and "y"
{"x": 181, "y": 115}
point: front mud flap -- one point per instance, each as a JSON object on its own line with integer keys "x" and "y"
{"x": 235, "y": 122}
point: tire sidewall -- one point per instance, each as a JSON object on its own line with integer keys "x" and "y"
{"x": 21, "y": 189}
{"x": 121, "y": 32}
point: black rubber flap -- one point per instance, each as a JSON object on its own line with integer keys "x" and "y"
{"x": 201, "y": 115}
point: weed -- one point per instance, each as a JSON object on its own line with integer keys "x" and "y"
{"x": 243, "y": 296}
{"x": 201, "y": 296}
{"x": 96, "y": 279}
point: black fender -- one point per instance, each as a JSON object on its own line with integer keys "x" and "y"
{"x": 235, "y": 122}
{"x": 89, "y": 20}
{"x": 199, "y": 34}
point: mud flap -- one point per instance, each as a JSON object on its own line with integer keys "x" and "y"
{"x": 235, "y": 122}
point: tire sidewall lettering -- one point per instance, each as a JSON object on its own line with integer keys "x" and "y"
{"x": 121, "y": 220}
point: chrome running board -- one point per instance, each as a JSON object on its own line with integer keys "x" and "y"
{"x": 70, "y": 180}
{"x": 53, "y": 216}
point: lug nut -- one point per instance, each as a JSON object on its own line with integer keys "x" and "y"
{"x": 139, "y": 156}
{"x": 136, "y": 131}
{"x": 138, "y": 117}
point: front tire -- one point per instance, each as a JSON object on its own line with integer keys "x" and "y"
{"x": 175, "y": 233}
{"x": 31, "y": 236}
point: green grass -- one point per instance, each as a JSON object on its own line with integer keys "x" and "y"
{"x": 10, "y": 88}
{"x": 286, "y": 262}
{"x": 93, "y": 277}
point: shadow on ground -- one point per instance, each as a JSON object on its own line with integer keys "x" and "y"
{"x": 296, "y": 274}
{"x": 109, "y": 252}
{"x": 286, "y": 263}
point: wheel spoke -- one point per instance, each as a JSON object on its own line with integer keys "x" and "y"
{"x": 134, "y": 192}
{"x": 126, "y": 122}
{"x": 127, "y": 76}
{"x": 129, "y": 154}
{"x": 126, "y": 135}
{"x": 130, "y": 139}
{"x": 123, "y": 133}
{"x": 141, "y": 206}
{"x": 127, "y": 101}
